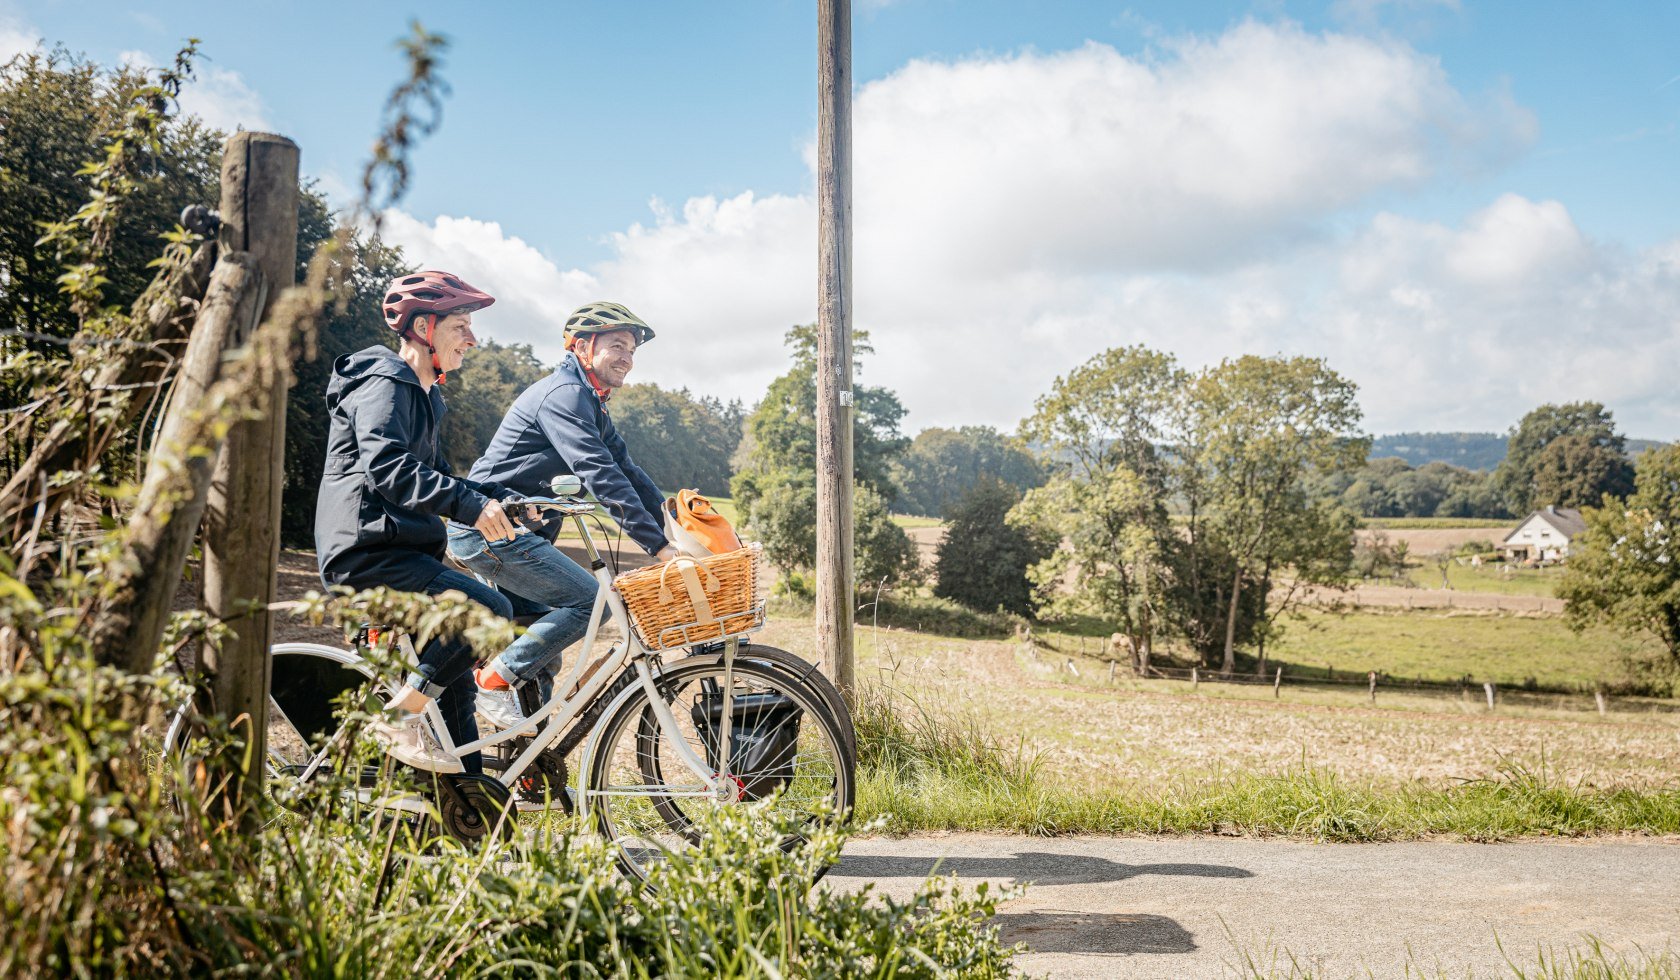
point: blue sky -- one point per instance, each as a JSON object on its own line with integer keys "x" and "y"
{"x": 1467, "y": 207}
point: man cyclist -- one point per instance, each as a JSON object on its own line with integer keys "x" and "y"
{"x": 386, "y": 487}
{"x": 557, "y": 426}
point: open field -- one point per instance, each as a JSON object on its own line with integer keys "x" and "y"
{"x": 1434, "y": 523}
{"x": 1446, "y": 645}
{"x": 1504, "y": 579}
{"x": 1433, "y": 540}
{"x": 1158, "y": 733}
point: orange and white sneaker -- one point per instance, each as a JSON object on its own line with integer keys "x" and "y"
{"x": 498, "y": 704}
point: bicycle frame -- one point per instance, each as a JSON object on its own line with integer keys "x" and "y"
{"x": 549, "y": 722}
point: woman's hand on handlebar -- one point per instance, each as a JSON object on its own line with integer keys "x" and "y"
{"x": 667, "y": 553}
{"x": 493, "y": 523}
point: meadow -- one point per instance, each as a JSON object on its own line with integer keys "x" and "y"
{"x": 1000, "y": 734}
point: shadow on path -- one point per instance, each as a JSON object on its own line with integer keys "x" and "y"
{"x": 1060, "y": 931}
{"x": 1027, "y": 867}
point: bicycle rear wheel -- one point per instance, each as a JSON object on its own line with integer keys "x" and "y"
{"x": 783, "y": 749}
{"x": 309, "y": 681}
{"x": 807, "y": 673}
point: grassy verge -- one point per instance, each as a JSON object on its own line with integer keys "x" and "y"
{"x": 925, "y": 771}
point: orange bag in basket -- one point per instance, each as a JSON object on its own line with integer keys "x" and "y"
{"x": 695, "y": 529}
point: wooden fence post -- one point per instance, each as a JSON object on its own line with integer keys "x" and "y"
{"x": 177, "y": 480}
{"x": 1277, "y": 684}
{"x": 242, "y": 519}
{"x": 1487, "y": 687}
{"x": 1373, "y": 677}
{"x": 1195, "y": 679}
{"x": 1598, "y": 698}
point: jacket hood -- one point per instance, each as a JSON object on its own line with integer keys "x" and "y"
{"x": 378, "y": 361}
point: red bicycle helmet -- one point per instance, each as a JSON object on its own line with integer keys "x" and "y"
{"x": 432, "y": 292}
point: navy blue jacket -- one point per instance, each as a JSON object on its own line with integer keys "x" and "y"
{"x": 559, "y": 426}
{"x": 386, "y": 486}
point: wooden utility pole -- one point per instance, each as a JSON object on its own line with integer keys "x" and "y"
{"x": 834, "y": 341}
{"x": 242, "y": 518}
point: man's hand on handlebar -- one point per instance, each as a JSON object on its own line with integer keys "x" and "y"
{"x": 493, "y": 523}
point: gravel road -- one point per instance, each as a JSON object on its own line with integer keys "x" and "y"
{"x": 1210, "y": 906}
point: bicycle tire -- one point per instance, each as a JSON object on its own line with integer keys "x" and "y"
{"x": 807, "y": 673}
{"x": 626, "y": 774}
{"x": 306, "y": 680}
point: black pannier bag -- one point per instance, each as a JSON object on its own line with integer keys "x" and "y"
{"x": 763, "y": 738}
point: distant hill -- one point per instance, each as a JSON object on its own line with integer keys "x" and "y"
{"x": 1471, "y": 450}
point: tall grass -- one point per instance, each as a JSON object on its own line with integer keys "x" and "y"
{"x": 925, "y": 770}
{"x": 112, "y": 866}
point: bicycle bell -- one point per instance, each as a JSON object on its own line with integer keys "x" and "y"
{"x": 568, "y": 485}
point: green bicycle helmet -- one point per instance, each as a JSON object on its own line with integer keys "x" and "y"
{"x": 594, "y": 318}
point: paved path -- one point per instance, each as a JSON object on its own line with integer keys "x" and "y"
{"x": 1202, "y": 907}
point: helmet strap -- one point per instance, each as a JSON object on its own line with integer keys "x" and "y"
{"x": 588, "y": 364}
{"x": 431, "y": 341}
{"x": 428, "y": 342}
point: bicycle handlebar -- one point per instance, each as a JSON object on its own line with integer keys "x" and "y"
{"x": 568, "y": 507}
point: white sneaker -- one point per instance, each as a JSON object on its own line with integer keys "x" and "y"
{"x": 500, "y": 707}
{"x": 409, "y": 740}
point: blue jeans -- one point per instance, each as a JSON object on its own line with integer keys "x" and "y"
{"x": 529, "y": 568}
{"x": 444, "y": 668}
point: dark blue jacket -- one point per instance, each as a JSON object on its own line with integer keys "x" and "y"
{"x": 559, "y": 426}
{"x": 386, "y": 486}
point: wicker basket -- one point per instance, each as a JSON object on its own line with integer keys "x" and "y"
{"x": 691, "y": 600}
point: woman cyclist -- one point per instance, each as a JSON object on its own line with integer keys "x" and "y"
{"x": 386, "y": 490}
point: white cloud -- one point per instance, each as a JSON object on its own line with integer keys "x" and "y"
{"x": 1015, "y": 215}
{"x": 16, "y": 37}
{"x": 219, "y": 96}
{"x": 533, "y": 296}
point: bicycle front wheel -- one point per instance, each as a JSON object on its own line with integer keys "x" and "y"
{"x": 769, "y": 734}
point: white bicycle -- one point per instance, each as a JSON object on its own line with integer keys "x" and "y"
{"x": 728, "y": 723}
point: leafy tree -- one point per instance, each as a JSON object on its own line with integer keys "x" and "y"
{"x": 1475, "y": 496}
{"x": 1100, "y": 427}
{"x": 58, "y": 111}
{"x": 983, "y": 560}
{"x": 775, "y": 479}
{"x": 1537, "y": 430}
{"x": 883, "y": 552}
{"x": 1391, "y": 487}
{"x": 1624, "y": 569}
{"x": 681, "y": 440}
{"x": 1575, "y": 471}
{"x": 942, "y": 465}
{"x": 1261, "y": 428}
